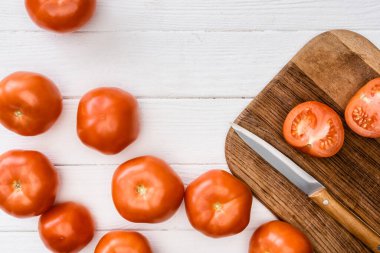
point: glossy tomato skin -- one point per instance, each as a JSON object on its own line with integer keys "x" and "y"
{"x": 314, "y": 128}
{"x": 108, "y": 120}
{"x": 279, "y": 237}
{"x": 29, "y": 103}
{"x": 363, "y": 110}
{"x": 28, "y": 183}
{"x": 60, "y": 15}
{"x": 146, "y": 190}
{"x": 218, "y": 204}
{"x": 66, "y": 228}
{"x": 123, "y": 242}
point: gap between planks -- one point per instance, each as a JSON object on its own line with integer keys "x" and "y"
{"x": 194, "y": 31}
{"x": 176, "y": 97}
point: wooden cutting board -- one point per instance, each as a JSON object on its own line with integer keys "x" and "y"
{"x": 329, "y": 69}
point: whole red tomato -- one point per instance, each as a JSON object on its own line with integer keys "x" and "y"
{"x": 218, "y": 204}
{"x": 123, "y": 242}
{"x": 28, "y": 183}
{"x": 315, "y": 129}
{"x": 363, "y": 110}
{"x": 66, "y": 227}
{"x": 29, "y": 103}
{"x": 146, "y": 189}
{"x": 279, "y": 237}
{"x": 108, "y": 120}
{"x": 60, "y": 15}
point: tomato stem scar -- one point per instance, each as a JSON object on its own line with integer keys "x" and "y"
{"x": 17, "y": 185}
{"x": 218, "y": 206}
{"x": 18, "y": 114}
{"x": 141, "y": 190}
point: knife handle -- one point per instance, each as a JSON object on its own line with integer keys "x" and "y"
{"x": 347, "y": 219}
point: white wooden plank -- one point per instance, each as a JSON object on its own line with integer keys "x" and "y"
{"x": 91, "y": 186}
{"x": 121, "y": 15}
{"x": 159, "y": 64}
{"x": 156, "y": 64}
{"x": 178, "y": 130}
{"x": 161, "y": 242}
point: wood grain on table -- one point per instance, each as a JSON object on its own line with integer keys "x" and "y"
{"x": 194, "y": 65}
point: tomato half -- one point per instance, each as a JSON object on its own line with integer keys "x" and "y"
{"x": 29, "y": 103}
{"x": 279, "y": 237}
{"x": 315, "y": 129}
{"x": 60, "y": 15}
{"x": 146, "y": 189}
{"x": 28, "y": 183}
{"x": 363, "y": 110}
{"x": 66, "y": 227}
{"x": 108, "y": 120}
{"x": 218, "y": 204}
{"x": 123, "y": 242}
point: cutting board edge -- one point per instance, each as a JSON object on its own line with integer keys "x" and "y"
{"x": 340, "y": 35}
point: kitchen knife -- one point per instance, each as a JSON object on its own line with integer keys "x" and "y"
{"x": 309, "y": 185}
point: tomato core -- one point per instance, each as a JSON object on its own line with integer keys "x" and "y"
{"x": 17, "y": 185}
{"x": 304, "y": 124}
{"x": 328, "y": 141}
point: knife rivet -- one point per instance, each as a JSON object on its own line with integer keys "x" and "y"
{"x": 325, "y": 202}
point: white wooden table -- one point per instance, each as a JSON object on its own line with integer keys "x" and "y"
{"x": 194, "y": 65}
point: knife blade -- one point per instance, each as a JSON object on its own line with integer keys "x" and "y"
{"x": 311, "y": 187}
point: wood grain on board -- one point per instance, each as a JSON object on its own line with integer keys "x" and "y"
{"x": 329, "y": 69}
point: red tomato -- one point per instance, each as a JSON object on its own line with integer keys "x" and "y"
{"x": 123, "y": 242}
{"x": 29, "y": 103}
{"x": 218, "y": 204}
{"x": 108, "y": 120}
{"x": 66, "y": 228}
{"x": 279, "y": 237}
{"x": 146, "y": 189}
{"x": 28, "y": 183}
{"x": 60, "y": 15}
{"x": 315, "y": 129}
{"x": 363, "y": 110}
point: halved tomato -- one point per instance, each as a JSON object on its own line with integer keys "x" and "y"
{"x": 315, "y": 129}
{"x": 363, "y": 110}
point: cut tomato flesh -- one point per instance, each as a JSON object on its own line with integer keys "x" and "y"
{"x": 323, "y": 138}
{"x": 363, "y": 110}
{"x": 362, "y": 119}
{"x": 314, "y": 128}
{"x": 303, "y": 123}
